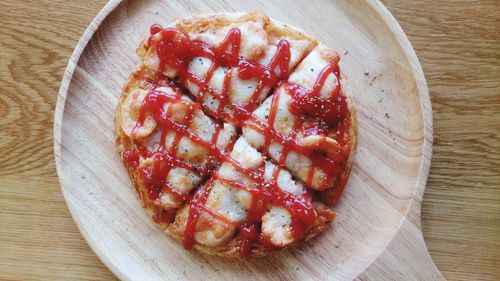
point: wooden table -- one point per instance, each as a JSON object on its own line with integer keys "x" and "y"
{"x": 458, "y": 43}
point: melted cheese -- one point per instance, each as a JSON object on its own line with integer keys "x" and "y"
{"x": 130, "y": 115}
{"x": 297, "y": 163}
{"x": 276, "y": 225}
{"x": 305, "y": 75}
{"x": 308, "y": 70}
{"x": 254, "y": 46}
{"x": 233, "y": 203}
{"x": 209, "y": 231}
{"x": 253, "y": 37}
{"x": 180, "y": 179}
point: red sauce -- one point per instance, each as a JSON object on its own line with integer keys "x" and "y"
{"x": 250, "y": 235}
{"x": 130, "y": 158}
{"x": 309, "y": 103}
{"x": 162, "y": 216}
{"x": 198, "y": 200}
{"x": 155, "y": 28}
{"x": 326, "y": 114}
{"x": 228, "y": 52}
{"x": 175, "y": 51}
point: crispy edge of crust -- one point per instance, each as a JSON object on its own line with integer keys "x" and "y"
{"x": 275, "y": 29}
{"x": 124, "y": 142}
{"x": 196, "y": 23}
{"x": 332, "y": 195}
{"x": 278, "y": 29}
{"x": 202, "y": 22}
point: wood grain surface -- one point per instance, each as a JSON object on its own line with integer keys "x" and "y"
{"x": 384, "y": 194}
{"x": 457, "y": 43}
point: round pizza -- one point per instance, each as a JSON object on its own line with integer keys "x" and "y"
{"x": 237, "y": 133}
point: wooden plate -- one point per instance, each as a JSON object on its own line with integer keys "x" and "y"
{"x": 377, "y": 231}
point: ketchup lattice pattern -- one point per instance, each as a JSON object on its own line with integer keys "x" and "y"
{"x": 176, "y": 50}
{"x": 314, "y": 115}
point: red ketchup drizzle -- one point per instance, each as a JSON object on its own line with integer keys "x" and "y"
{"x": 330, "y": 111}
{"x": 175, "y": 50}
{"x": 328, "y": 114}
{"x": 165, "y": 159}
{"x": 155, "y": 28}
{"x": 309, "y": 103}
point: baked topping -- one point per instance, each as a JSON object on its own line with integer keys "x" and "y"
{"x": 182, "y": 125}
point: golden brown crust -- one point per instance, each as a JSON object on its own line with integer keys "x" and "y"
{"x": 332, "y": 195}
{"x": 204, "y": 23}
{"x": 139, "y": 78}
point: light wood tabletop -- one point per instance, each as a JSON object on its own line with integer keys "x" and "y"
{"x": 457, "y": 42}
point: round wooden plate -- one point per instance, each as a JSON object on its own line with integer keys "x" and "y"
{"x": 377, "y": 232}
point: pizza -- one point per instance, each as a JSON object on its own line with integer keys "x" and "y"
{"x": 237, "y": 133}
